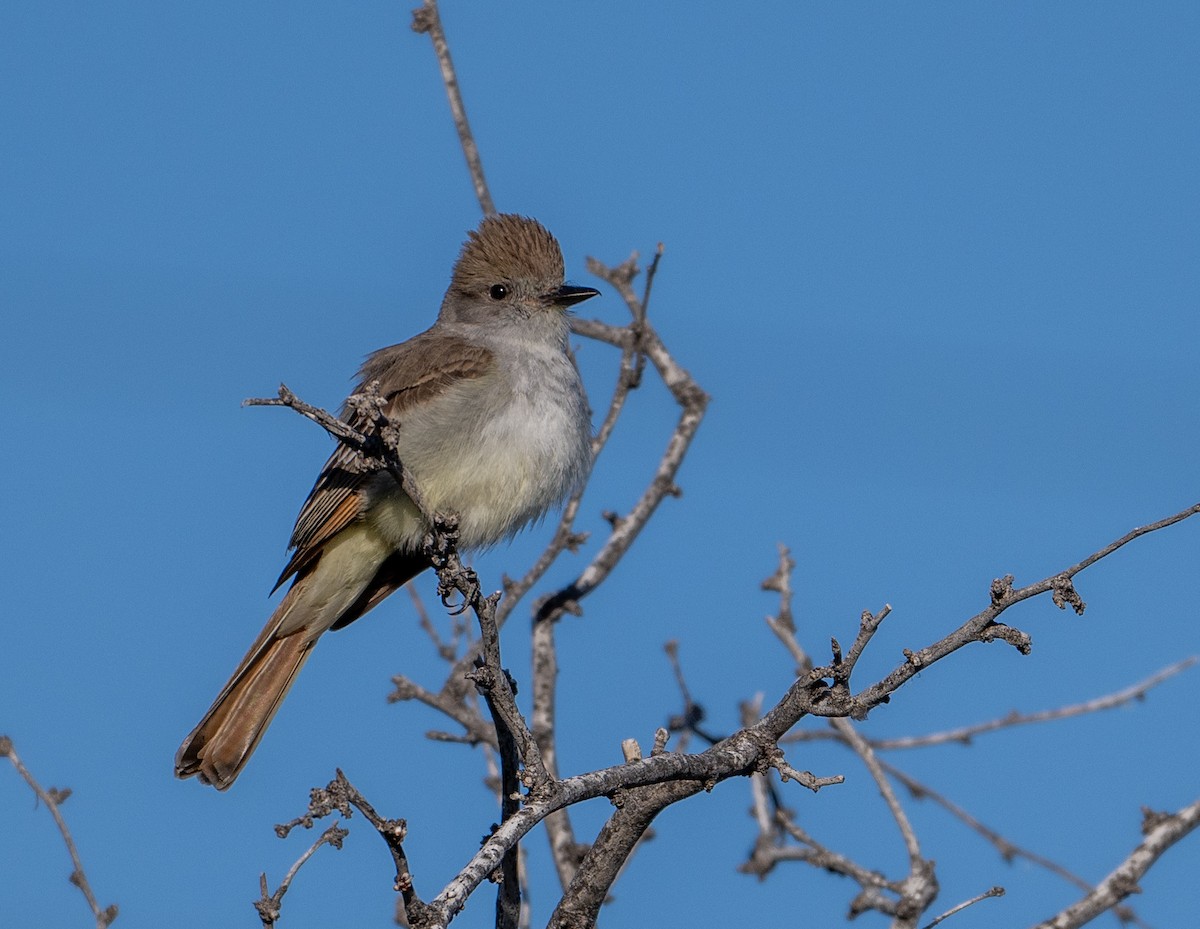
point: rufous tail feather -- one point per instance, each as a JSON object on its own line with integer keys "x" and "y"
{"x": 223, "y": 741}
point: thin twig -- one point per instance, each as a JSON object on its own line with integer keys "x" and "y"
{"x": 965, "y": 734}
{"x": 817, "y": 855}
{"x": 994, "y": 892}
{"x": 629, "y": 375}
{"x": 449, "y": 701}
{"x": 376, "y": 451}
{"x": 53, "y": 798}
{"x": 340, "y": 796}
{"x": 447, "y": 651}
{"x": 1112, "y": 547}
{"x": 270, "y": 906}
{"x": 1006, "y": 849}
{"x": 847, "y": 731}
{"x": 983, "y": 627}
{"x": 427, "y": 19}
{"x": 693, "y": 402}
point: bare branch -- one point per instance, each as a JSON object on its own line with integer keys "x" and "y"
{"x": 564, "y": 848}
{"x": 490, "y": 678}
{"x": 450, "y": 702}
{"x": 270, "y": 906}
{"x": 393, "y": 833}
{"x": 1161, "y": 831}
{"x": 427, "y": 19}
{"x": 340, "y": 796}
{"x": 680, "y": 776}
{"x": 994, "y": 892}
{"x": 767, "y": 854}
{"x": 1110, "y": 548}
{"x": 608, "y": 855}
{"x": 53, "y": 798}
{"x": 965, "y": 734}
{"x": 864, "y": 751}
{"x": 1007, "y": 849}
{"x": 983, "y": 627}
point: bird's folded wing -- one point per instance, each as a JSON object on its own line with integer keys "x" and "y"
{"x": 410, "y": 373}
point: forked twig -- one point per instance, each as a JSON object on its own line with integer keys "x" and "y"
{"x": 270, "y": 906}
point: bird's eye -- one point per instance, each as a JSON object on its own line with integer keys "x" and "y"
{"x": 497, "y": 291}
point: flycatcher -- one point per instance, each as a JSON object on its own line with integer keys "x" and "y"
{"x": 493, "y": 424}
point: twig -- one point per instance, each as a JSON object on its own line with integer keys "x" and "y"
{"x": 626, "y": 528}
{"x": 994, "y": 892}
{"x": 392, "y": 831}
{"x": 920, "y": 889}
{"x": 270, "y": 906}
{"x": 983, "y": 627}
{"x": 965, "y": 734}
{"x": 784, "y": 622}
{"x": 1006, "y": 849}
{"x": 53, "y": 798}
{"x": 915, "y": 892}
{"x": 629, "y": 375}
{"x": 1161, "y": 830}
{"x": 376, "y": 451}
{"x": 693, "y": 713}
{"x": 1043, "y": 586}
{"x": 766, "y": 855}
{"x": 340, "y": 796}
{"x": 427, "y": 19}
{"x": 563, "y": 847}
{"x": 451, "y": 703}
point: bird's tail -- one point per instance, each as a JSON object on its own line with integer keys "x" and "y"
{"x": 221, "y": 744}
{"x": 328, "y": 596}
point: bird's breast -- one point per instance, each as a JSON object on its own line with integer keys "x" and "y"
{"x": 503, "y": 449}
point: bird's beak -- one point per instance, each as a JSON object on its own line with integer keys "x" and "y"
{"x": 567, "y": 295}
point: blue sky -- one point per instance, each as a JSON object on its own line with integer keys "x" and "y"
{"x": 936, "y": 263}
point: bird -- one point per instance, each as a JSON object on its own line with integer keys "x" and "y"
{"x": 491, "y": 422}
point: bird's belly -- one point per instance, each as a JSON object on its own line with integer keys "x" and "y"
{"x": 509, "y": 470}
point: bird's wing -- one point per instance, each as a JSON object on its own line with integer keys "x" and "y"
{"x": 410, "y": 373}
